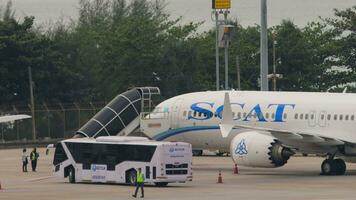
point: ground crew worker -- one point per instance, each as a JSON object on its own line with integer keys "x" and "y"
{"x": 34, "y": 157}
{"x": 140, "y": 179}
{"x": 24, "y": 160}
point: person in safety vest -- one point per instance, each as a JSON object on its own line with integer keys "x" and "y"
{"x": 140, "y": 179}
{"x": 34, "y": 157}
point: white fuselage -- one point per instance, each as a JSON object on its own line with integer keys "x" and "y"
{"x": 195, "y": 117}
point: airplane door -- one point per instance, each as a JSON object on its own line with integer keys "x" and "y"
{"x": 322, "y": 118}
{"x": 175, "y": 113}
{"x": 312, "y": 118}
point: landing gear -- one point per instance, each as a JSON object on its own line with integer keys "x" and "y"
{"x": 332, "y": 166}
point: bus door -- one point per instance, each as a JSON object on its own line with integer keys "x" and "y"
{"x": 174, "y": 114}
{"x": 98, "y": 170}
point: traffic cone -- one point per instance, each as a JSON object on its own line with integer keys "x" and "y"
{"x": 220, "y": 178}
{"x": 236, "y": 169}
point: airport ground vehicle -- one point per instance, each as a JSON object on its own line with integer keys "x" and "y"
{"x": 115, "y": 159}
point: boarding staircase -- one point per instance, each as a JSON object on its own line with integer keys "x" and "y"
{"x": 122, "y": 115}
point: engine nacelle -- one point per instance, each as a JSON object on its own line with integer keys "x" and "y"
{"x": 254, "y": 149}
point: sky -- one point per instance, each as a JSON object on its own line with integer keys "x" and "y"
{"x": 247, "y": 12}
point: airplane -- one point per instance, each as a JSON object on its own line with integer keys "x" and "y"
{"x": 261, "y": 129}
{"x": 11, "y": 118}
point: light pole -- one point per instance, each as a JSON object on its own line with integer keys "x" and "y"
{"x": 264, "y": 47}
{"x": 32, "y": 103}
{"x": 274, "y": 76}
{"x": 226, "y": 52}
{"x": 220, "y": 7}
{"x": 217, "y": 51}
{"x": 238, "y": 73}
{"x": 274, "y": 62}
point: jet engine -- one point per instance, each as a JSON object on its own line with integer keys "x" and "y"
{"x": 255, "y": 149}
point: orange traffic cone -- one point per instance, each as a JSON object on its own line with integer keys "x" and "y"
{"x": 236, "y": 169}
{"x": 220, "y": 178}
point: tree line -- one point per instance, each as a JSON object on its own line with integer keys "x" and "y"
{"x": 118, "y": 44}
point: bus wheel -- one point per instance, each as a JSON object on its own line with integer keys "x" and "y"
{"x": 71, "y": 175}
{"x": 161, "y": 184}
{"x": 131, "y": 177}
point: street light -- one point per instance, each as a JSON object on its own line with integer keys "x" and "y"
{"x": 219, "y": 7}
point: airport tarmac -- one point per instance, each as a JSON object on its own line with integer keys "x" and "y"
{"x": 299, "y": 179}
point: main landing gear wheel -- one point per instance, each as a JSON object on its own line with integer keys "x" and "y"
{"x": 333, "y": 167}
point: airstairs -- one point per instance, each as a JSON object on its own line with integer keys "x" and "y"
{"x": 122, "y": 115}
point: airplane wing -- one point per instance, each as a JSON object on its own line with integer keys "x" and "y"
{"x": 9, "y": 118}
{"x": 296, "y": 137}
{"x": 302, "y": 137}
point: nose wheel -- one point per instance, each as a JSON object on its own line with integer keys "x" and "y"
{"x": 333, "y": 167}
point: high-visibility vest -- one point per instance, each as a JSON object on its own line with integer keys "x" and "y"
{"x": 34, "y": 155}
{"x": 140, "y": 177}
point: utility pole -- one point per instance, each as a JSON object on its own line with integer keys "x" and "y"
{"x": 264, "y": 47}
{"x": 32, "y": 104}
{"x": 217, "y": 51}
{"x": 238, "y": 73}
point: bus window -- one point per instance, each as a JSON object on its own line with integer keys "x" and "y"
{"x": 59, "y": 154}
{"x": 148, "y": 172}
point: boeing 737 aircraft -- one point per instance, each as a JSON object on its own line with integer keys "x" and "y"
{"x": 261, "y": 129}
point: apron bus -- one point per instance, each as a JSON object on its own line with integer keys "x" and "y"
{"x": 115, "y": 159}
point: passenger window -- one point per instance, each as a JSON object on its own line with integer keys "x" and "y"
{"x": 312, "y": 116}
{"x": 195, "y": 113}
{"x": 322, "y": 117}
{"x": 347, "y": 117}
{"x": 335, "y": 117}
{"x": 267, "y": 115}
{"x": 301, "y": 116}
{"x": 352, "y": 117}
{"x": 272, "y": 116}
{"x": 296, "y": 116}
{"x": 340, "y": 117}
{"x": 285, "y": 116}
{"x": 306, "y": 116}
{"x": 189, "y": 113}
{"x": 200, "y": 114}
{"x": 329, "y": 116}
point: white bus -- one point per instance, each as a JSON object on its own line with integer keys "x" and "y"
{"x": 115, "y": 159}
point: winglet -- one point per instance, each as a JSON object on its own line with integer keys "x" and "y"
{"x": 226, "y": 124}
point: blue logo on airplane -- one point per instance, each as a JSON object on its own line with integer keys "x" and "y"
{"x": 241, "y": 148}
{"x": 208, "y": 110}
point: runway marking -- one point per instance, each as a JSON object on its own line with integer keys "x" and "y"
{"x": 39, "y": 179}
